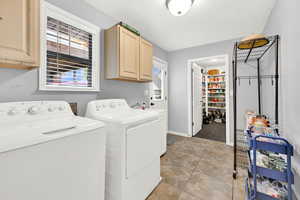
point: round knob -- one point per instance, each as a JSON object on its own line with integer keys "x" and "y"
{"x": 112, "y": 105}
{"x": 33, "y": 110}
{"x": 61, "y": 108}
{"x": 13, "y": 111}
{"x": 51, "y": 109}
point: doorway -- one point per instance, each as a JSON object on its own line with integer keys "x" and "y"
{"x": 209, "y": 102}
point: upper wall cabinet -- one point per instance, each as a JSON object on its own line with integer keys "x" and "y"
{"x": 127, "y": 55}
{"x": 146, "y": 60}
{"x": 19, "y": 33}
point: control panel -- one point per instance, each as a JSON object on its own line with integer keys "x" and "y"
{"x": 107, "y": 105}
{"x": 34, "y": 108}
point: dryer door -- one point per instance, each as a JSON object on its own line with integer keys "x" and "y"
{"x": 143, "y": 146}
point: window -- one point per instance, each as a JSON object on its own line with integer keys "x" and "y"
{"x": 158, "y": 84}
{"x": 157, "y": 76}
{"x": 69, "y": 52}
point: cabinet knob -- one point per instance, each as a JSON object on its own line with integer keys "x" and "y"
{"x": 1, "y": 18}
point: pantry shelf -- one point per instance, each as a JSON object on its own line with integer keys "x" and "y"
{"x": 218, "y": 75}
{"x": 214, "y": 87}
{"x": 216, "y": 93}
{"x": 211, "y": 107}
{"x": 216, "y": 82}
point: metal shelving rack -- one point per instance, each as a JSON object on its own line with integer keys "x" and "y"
{"x": 256, "y": 54}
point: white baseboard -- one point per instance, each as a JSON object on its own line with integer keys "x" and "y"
{"x": 178, "y": 133}
{"x": 230, "y": 144}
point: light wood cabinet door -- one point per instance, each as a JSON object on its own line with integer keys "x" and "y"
{"x": 146, "y": 60}
{"x": 19, "y": 33}
{"x": 129, "y": 54}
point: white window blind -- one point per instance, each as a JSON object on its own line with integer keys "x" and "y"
{"x": 69, "y": 55}
{"x": 69, "y": 52}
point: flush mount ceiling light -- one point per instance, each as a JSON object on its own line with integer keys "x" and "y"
{"x": 179, "y": 7}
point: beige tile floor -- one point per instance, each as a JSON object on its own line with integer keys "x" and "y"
{"x": 198, "y": 169}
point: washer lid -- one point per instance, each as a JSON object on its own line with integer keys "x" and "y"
{"x": 34, "y": 132}
{"x": 28, "y": 123}
{"x": 126, "y": 117}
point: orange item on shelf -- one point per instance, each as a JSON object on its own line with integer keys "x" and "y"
{"x": 260, "y": 121}
{"x": 213, "y": 72}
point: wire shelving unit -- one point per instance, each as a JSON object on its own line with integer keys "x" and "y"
{"x": 244, "y": 56}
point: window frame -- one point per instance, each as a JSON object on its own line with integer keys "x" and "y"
{"x": 49, "y": 10}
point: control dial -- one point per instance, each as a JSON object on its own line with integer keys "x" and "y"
{"x": 61, "y": 108}
{"x": 34, "y": 110}
{"x": 112, "y": 105}
{"x": 51, "y": 109}
{"x": 13, "y": 111}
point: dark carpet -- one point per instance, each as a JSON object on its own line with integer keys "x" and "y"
{"x": 214, "y": 131}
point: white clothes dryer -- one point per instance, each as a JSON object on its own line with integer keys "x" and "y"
{"x": 133, "y": 149}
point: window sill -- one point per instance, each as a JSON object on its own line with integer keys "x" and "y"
{"x": 59, "y": 89}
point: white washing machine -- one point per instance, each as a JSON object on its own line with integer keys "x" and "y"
{"x": 133, "y": 149}
{"x": 47, "y": 153}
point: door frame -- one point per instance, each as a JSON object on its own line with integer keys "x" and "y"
{"x": 229, "y": 131}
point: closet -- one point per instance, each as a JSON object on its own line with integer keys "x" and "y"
{"x": 213, "y": 99}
